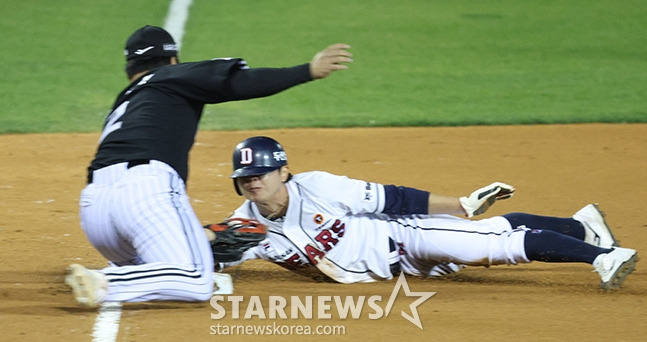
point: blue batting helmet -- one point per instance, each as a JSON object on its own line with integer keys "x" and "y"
{"x": 257, "y": 156}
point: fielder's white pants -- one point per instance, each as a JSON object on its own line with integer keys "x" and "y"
{"x": 141, "y": 220}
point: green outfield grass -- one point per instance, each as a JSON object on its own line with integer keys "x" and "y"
{"x": 417, "y": 62}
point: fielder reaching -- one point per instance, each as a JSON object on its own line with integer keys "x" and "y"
{"x": 357, "y": 231}
{"x": 134, "y": 209}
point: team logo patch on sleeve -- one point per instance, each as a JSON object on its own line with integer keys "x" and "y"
{"x": 368, "y": 193}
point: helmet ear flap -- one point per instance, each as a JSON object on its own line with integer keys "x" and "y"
{"x": 237, "y": 188}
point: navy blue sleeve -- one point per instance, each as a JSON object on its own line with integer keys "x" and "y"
{"x": 400, "y": 200}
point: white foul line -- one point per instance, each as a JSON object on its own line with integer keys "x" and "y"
{"x": 106, "y": 325}
{"x": 178, "y": 13}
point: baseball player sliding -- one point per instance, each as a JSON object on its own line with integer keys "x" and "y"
{"x": 135, "y": 209}
{"x": 357, "y": 231}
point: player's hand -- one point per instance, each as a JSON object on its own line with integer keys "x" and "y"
{"x": 330, "y": 59}
{"x": 229, "y": 239}
{"x": 481, "y": 200}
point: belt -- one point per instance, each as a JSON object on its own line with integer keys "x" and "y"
{"x": 130, "y": 164}
{"x": 136, "y": 162}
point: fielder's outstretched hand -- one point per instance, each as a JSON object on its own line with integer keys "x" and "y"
{"x": 229, "y": 239}
{"x": 330, "y": 59}
{"x": 481, "y": 200}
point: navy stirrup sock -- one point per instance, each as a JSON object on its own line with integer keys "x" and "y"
{"x": 550, "y": 246}
{"x": 567, "y": 226}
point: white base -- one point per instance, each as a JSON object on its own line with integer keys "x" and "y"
{"x": 223, "y": 284}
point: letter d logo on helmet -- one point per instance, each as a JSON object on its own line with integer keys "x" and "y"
{"x": 257, "y": 156}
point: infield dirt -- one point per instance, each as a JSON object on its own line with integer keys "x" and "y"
{"x": 557, "y": 169}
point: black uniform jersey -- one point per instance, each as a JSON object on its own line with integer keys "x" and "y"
{"x": 156, "y": 117}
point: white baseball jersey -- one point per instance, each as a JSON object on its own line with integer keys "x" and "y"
{"x": 335, "y": 224}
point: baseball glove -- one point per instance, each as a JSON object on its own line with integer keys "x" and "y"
{"x": 229, "y": 239}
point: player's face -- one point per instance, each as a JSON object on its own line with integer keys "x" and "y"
{"x": 265, "y": 188}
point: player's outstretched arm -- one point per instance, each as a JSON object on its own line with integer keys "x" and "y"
{"x": 481, "y": 200}
{"x": 330, "y": 59}
{"x": 439, "y": 204}
{"x": 475, "y": 204}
